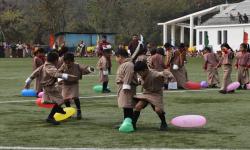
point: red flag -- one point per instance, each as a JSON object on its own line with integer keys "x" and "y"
{"x": 51, "y": 40}
{"x": 245, "y": 38}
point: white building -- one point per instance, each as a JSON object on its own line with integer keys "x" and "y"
{"x": 222, "y": 26}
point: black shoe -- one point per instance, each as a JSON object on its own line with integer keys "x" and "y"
{"x": 134, "y": 126}
{"x": 181, "y": 88}
{"x": 79, "y": 115}
{"x": 213, "y": 86}
{"x": 223, "y": 92}
{"x": 52, "y": 121}
{"x": 61, "y": 111}
{"x": 231, "y": 91}
{"x": 239, "y": 88}
{"x": 245, "y": 87}
{"x": 106, "y": 91}
{"x": 163, "y": 127}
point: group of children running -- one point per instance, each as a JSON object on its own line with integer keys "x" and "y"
{"x": 58, "y": 76}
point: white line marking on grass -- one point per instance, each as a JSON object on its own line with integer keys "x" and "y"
{"x": 51, "y": 148}
{"x": 106, "y": 96}
{"x": 21, "y": 101}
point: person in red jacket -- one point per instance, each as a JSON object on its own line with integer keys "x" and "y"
{"x": 100, "y": 47}
{"x": 133, "y": 44}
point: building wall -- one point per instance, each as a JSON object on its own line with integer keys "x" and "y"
{"x": 234, "y": 36}
{"x": 72, "y": 40}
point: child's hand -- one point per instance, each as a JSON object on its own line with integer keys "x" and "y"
{"x": 92, "y": 69}
{"x": 27, "y": 86}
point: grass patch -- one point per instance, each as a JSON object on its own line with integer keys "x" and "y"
{"x": 23, "y": 124}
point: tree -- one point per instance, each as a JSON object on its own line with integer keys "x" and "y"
{"x": 10, "y": 22}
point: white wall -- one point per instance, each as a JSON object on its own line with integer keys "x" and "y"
{"x": 234, "y": 36}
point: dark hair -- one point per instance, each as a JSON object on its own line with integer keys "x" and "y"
{"x": 182, "y": 45}
{"x": 140, "y": 66}
{"x": 153, "y": 51}
{"x": 104, "y": 36}
{"x": 228, "y": 47}
{"x": 225, "y": 45}
{"x": 160, "y": 51}
{"x": 52, "y": 57}
{"x": 63, "y": 51}
{"x": 208, "y": 49}
{"x": 121, "y": 52}
{"x": 135, "y": 34}
{"x": 39, "y": 50}
{"x": 69, "y": 57}
{"x": 244, "y": 45}
{"x": 168, "y": 45}
{"x": 107, "y": 51}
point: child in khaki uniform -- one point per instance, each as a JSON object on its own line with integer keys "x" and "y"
{"x": 169, "y": 55}
{"x": 103, "y": 65}
{"x": 70, "y": 89}
{"x": 49, "y": 74}
{"x": 38, "y": 61}
{"x": 126, "y": 81}
{"x": 152, "y": 82}
{"x": 157, "y": 60}
{"x": 211, "y": 61}
{"x": 242, "y": 65}
{"x": 178, "y": 66}
{"x": 226, "y": 61}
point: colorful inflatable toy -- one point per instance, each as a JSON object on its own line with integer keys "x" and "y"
{"x": 192, "y": 85}
{"x": 189, "y": 121}
{"x": 40, "y": 103}
{"x": 28, "y": 93}
{"x": 70, "y": 111}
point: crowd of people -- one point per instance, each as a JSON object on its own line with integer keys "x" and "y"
{"x": 58, "y": 75}
{"x": 16, "y": 50}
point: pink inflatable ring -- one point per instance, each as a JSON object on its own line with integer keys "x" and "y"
{"x": 189, "y": 121}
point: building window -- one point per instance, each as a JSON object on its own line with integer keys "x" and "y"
{"x": 225, "y": 36}
{"x": 200, "y": 38}
{"x": 219, "y": 37}
{"x": 206, "y": 40}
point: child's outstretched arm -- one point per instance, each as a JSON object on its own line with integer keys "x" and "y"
{"x": 168, "y": 76}
{"x": 54, "y": 72}
{"x": 86, "y": 69}
{"x": 35, "y": 74}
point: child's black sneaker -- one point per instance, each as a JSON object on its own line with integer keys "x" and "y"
{"x": 106, "y": 91}
{"x": 79, "y": 115}
{"x": 61, "y": 111}
{"x": 52, "y": 121}
{"x": 223, "y": 92}
{"x": 231, "y": 91}
{"x": 163, "y": 127}
{"x": 134, "y": 126}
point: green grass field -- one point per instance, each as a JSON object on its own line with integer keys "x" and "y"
{"x": 23, "y": 123}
